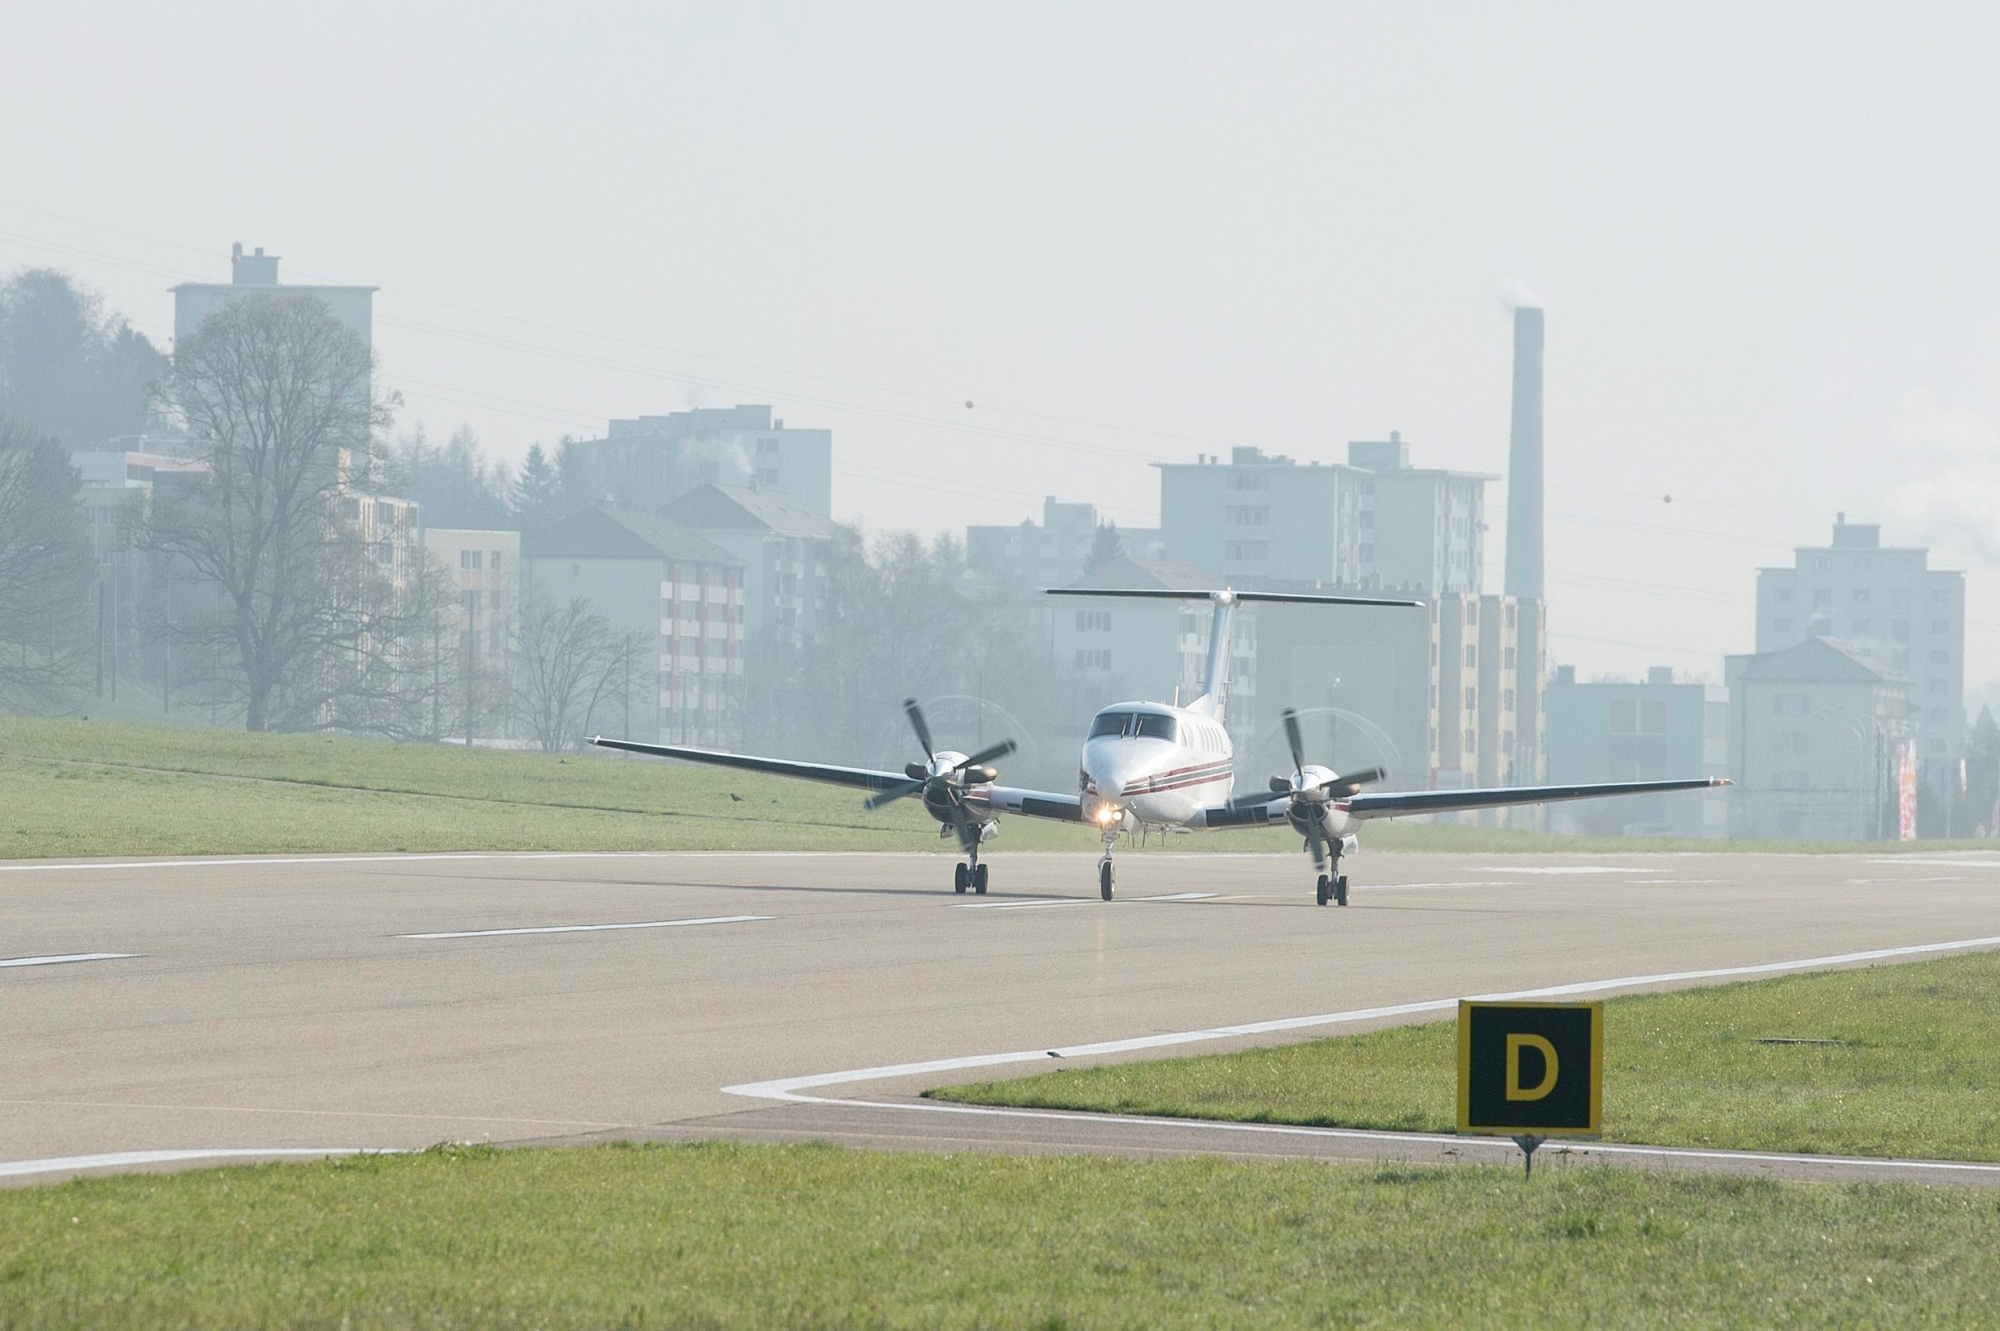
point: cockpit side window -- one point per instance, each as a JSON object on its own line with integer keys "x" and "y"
{"x": 1111, "y": 723}
{"x": 1151, "y": 726}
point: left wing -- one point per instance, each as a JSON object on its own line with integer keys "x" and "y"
{"x": 1448, "y": 801}
{"x": 861, "y": 778}
{"x": 1064, "y": 808}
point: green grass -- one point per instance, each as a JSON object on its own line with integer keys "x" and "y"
{"x": 749, "y": 1236}
{"x": 73, "y": 787}
{"x": 1914, "y": 1074}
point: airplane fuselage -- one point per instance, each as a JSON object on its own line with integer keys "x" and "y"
{"x": 1149, "y": 763}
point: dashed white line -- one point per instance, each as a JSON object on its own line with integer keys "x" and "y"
{"x": 1016, "y": 905}
{"x": 590, "y": 928}
{"x": 66, "y": 958}
{"x": 1558, "y": 870}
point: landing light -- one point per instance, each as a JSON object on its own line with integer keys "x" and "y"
{"x": 1105, "y": 814}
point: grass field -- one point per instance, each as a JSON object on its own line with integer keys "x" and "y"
{"x": 743, "y": 1236}
{"x": 73, "y": 787}
{"x": 1912, "y": 1075}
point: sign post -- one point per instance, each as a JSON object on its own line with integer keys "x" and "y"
{"x": 1530, "y": 1071}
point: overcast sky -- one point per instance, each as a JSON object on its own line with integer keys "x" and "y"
{"x": 1765, "y": 237}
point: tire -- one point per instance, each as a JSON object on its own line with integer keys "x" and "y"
{"x": 1104, "y": 877}
{"x": 961, "y": 878}
{"x": 1324, "y": 889}
{"x": 1340, "y": 890}
{"x": 979, "y": 880}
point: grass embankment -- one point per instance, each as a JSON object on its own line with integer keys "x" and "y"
{"x": 743, "y": 1236}
{"x": 1912, "y": 1075}
{"x": 93, "y": 788}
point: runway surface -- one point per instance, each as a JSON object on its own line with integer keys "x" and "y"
{"x": 154, "y": 1012}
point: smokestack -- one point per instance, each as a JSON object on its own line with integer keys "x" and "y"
{"x": 1524, "y": 460}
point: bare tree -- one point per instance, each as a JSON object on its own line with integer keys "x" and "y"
{"x": 567, "y": 663}
{"x": 276, "y": 396}
{"x": 45, "y": 562}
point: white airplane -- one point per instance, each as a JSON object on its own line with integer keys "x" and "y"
{"x": 1151, "y": 765}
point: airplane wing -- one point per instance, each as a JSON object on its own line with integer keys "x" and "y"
{"x": 1449, "y": 801}
{"x": 861, "y": 778}
{"x": 1064, "y": 808}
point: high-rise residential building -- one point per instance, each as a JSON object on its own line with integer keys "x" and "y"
{"x": 680, "y": 591}
{"x": 486, "y": 568}
{"x": 783, "y": 547}
{"x": 1420, "y": 526}
{"x": 256, "y": 275}
{"x": 1028, "y": 558}
{"x": 1885, "y": 605}
{"x": 648, "y": 462}
{"x": 1261, "y": 516}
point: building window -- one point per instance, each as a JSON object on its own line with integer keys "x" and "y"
{"x": 1653, "y": 717}
{"x": 1093, "y": 660}
{"x": 1789, "y": 742}
{"x": 1624, "y": 717}
{"x": 1784, "y": 595}
{"x": 1249, "y": 551}
{"x": 1822, "y": 596}
{"x": 1246, "y": 516}
{"x": 478, "y": 559}
{"x": 1822, "y": 561}
{"x": 1507, "y": 658}
{"x": 1471, "y": 655}
{"x": 1861, "y": 594}
{"x": 1471, "y": 699}
{"x": 1471, "y": 739}
{"x": 465, "y": 559}
{"x": 1248, "y": 480}
{"x": 1093, "y": 621}
{"x": 494, "y": 561}
{"x": 1790, "y": 704}
{"x": 1507, "y": 700}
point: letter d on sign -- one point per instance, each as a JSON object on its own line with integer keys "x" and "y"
{"x": 1516, "y": 1091}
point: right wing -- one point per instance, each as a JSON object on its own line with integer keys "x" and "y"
{"x": 861, "y": 778}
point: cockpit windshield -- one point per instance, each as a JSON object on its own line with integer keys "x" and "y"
{"x": 1142, "y": 725}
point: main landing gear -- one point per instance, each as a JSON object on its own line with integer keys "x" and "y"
{"x": 1333, "y": 884}
{"x": 969, "y": 875}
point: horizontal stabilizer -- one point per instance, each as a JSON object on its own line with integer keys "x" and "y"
{"x": 1223, "y": 593}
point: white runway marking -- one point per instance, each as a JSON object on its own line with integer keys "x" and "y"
{"x": 1183, "y": 896}
{"x": 1864, "y": 882}
{"x": 788, "y": 1088}
{"x": 67, "y": 1164}
{"x": 589, "y": 928}
{"x": 1676, "y": 882}
{"x": 1554, "y": 870}
{"x": 66, "y": 958}
{"x": 1014, "y": 905}
{"x": 1912, "y": 862}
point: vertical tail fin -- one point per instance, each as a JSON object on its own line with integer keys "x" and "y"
{"x": 1214, "y": 697}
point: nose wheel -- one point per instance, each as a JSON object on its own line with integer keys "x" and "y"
{"x": 1105, "y": 877}
{"x": 969, "y": 876}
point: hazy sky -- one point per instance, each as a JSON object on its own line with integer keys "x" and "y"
{"x": 1765, "y": 237}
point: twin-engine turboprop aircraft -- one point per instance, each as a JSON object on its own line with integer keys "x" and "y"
{"x": 1155, "y": 765}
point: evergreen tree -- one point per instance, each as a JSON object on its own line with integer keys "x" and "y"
{"x": 1105, "y": 546}
{"x": 538, "y": 491}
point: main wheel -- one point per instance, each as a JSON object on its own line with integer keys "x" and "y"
{"x": 1104, "y": 877}
{"x": 979, "y": 880}
{"x": 1340, "y": 890}
{"x": 1325, "y": 889}
{"x": 961, "y": 878}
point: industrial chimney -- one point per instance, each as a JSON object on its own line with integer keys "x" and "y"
{"x": 1524, "y": 461}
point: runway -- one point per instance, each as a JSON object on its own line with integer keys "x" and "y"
{"x": 325, "y": 1003}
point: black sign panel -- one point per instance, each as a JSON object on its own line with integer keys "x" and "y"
{"x": 1531, "y": 1068}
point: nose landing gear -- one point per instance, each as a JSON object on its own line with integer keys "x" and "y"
{"x": 1105, "y": 873}
{"x": 1333, "y": 884}
{"x": 972, "y": 875}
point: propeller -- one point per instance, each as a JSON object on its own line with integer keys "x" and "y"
{"x": 952, "y": 780}
{"x": 1309, "y": 791}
